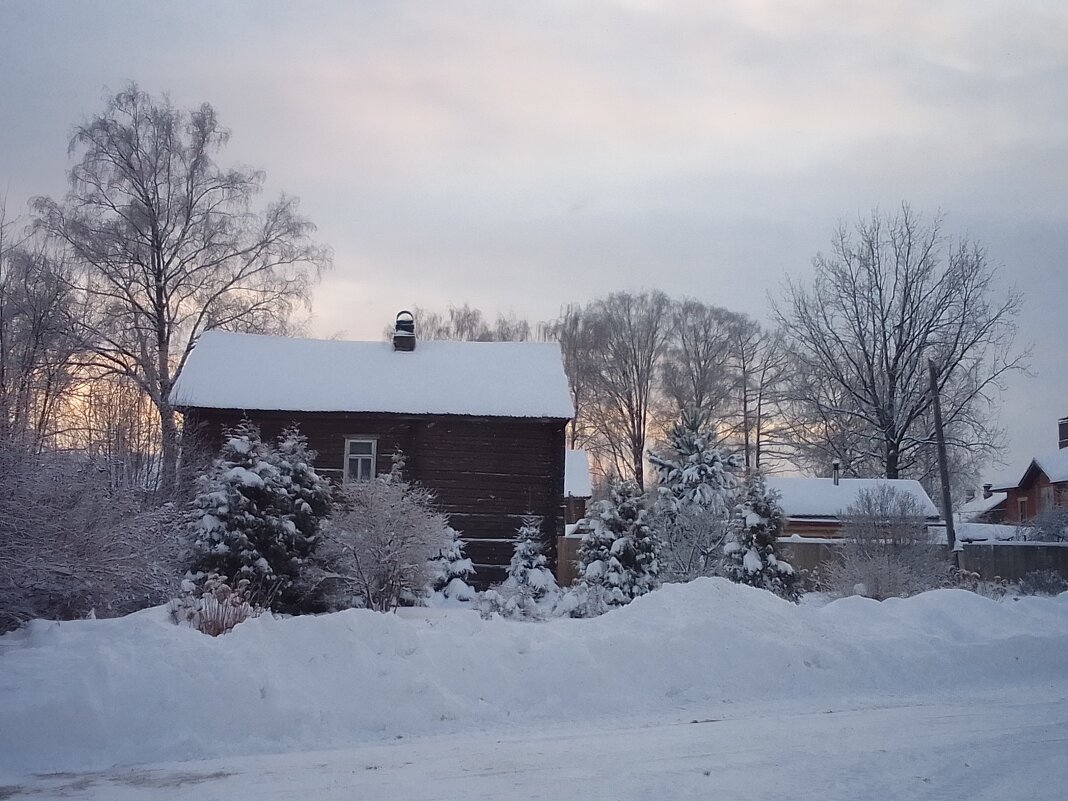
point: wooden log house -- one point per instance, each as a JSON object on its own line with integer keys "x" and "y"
{"x": 479, "y": 423}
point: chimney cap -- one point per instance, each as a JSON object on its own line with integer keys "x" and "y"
{"x": 404, "y": 331}
{"x": 405, "y": 321}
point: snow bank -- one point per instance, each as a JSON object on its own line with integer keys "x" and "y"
{"x": 91, "y": 694}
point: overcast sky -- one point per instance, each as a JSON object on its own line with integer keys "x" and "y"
{"x": 518, "y": 156}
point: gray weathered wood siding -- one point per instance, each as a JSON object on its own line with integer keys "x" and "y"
{"x": 486, "y": 472}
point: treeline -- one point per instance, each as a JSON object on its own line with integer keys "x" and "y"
{"x": 103, "y": 293}
{"x": 841, "y": 375}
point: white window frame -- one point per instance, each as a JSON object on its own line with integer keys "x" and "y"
{"x": 372, "y": 456}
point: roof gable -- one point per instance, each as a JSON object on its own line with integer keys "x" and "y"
{"x": 822, "y": 498}
{"x": 1053, "y": 465}
{"x": 979, "y": 505}
{"x": 485, "y": 379}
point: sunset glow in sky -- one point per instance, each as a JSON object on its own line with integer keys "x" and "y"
{"x": 521, "y": 155}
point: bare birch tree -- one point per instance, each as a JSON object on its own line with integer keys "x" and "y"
{"x": 891, "y": 294}
{"x": 36, "y": 304}
{"x": 573, "y": 331}
{"x": 696, "y": 364}
{"x": 168, "y": 244}
{"x": 759, "y": 367}
{"x": 628, "y": 333}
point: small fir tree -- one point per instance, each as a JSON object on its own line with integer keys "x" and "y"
{"x": 694, "y": 497}
{"x": 530, "y": 588}
{"x": 450, "y": 570}
{"x": 529, "y": 569}
{"x": 750, "y": 550}
{"x": 619, "y": 554}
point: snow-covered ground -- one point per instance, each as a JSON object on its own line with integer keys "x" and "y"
{"x": 998, "y": 746}
{"x": 696, "y": 691}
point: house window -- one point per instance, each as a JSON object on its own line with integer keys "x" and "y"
{"x": 360, "y": 459}
{"x": 1021, "y": 507}
{"x": 1045, "y": 501}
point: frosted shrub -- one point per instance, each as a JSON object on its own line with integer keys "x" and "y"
{"x": 1043, "y": 582}
{"x": 212, "y": 606}
{"x": 71, "y": 544}
{"x": 1049, "y": 525}
{"x": 886, "y": 551}
{"x": 586, "y": 599}
{"x": 379, "y": 547}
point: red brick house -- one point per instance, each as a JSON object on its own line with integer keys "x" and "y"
{"x": 1043, "y": 485}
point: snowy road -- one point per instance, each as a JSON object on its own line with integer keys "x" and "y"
{"x": 1009, "y": 744}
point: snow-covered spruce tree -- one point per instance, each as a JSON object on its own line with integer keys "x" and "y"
{"x": 306, "y": 501}
{"x": 256, "y": 515}
{"x": 528, "y": 571}
{"x": 530, "y": 582}
{"x": 619, "y": 554}
{"x": 694, "y": 497}
{"x": 450, "y": 570}
{"x": 750, "y": 550}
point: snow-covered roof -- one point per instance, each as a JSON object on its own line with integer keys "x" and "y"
{"x": 979, "y": 505}
{"x": 984, "y": 532}
{"x": 822, "y": 498}
{"x": 1054, "y": 465}
{"x": 577, "y": 475}
{"x": 491, "y": 379}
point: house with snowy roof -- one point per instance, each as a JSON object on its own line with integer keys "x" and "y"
{"x": 813, "y": 507}
{"x": 479, "y": 423}
{"x": 985, "y": 507}
{"x": 1043, "y": 485}
{"x": 578, "y": 489}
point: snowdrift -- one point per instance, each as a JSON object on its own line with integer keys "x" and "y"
{"x": 92, "y": 694}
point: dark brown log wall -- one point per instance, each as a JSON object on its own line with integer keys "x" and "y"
{"x": 486, "y": 472}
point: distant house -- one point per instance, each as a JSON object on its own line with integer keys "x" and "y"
{"x": 479, "y": 423}
{"x": 577, "y": 487}
{"x": 813, "y": 506}
{"x": 989, "y": 507}
{"x": 1043, "y": 485}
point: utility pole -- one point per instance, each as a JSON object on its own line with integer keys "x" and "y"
{"x": 943, "y": 466}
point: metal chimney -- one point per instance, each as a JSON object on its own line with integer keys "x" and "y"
{"x": 836, "y": 467}
{"x": 404, "y": 331}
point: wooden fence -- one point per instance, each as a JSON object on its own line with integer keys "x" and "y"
{"x": 1008, "y": 560}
